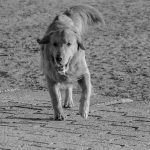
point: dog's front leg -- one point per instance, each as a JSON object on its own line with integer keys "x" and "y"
{"x": 54, "y": 91}
{"x": 85, "y": 83}
{"x": 68, "y": 99}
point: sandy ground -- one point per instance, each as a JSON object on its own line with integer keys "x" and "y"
{"x": 118, "y": 57}
{"x": 27, "y": 124}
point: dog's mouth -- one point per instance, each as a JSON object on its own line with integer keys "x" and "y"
{"x": 62, "y": 69}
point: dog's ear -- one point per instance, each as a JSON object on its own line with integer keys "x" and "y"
{"x": 79, "y": 41}
{"x": 80, "y": 45}
{"x": 44, "y": 40}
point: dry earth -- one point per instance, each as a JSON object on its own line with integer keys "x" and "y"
{"x": 118, "y": 56}
{"x": 27, "y": 124}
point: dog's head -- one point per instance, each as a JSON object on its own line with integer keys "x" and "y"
{"x": 62, "y": 45}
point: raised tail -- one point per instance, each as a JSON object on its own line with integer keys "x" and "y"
{"x": 84, "y": 16}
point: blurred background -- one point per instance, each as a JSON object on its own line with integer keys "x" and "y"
{"x": 118, "y": 55}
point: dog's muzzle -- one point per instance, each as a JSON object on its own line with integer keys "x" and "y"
{"x": 60, "y": 67}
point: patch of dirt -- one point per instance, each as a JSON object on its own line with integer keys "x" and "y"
{"x": 118, "y": 57}
{"x": 26, "y": 122}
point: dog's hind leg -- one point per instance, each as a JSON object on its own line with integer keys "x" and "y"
{"x": 68, "y": 97}
{"x": 85, "y": 83}
{"x": 55, "y": 94}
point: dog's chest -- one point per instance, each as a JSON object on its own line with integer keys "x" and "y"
{"x": 68, "y": 77}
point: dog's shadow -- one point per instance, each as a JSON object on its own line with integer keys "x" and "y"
{"x": 19, "y": 109}
{"x": 18, "y": 113}
{"x": 4, "y": 74}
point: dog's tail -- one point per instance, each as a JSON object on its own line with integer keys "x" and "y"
{"x": 84, "y": 16}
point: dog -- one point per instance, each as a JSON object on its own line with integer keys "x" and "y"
{"x": 63, "y": 57}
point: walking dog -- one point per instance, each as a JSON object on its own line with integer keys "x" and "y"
{"x": 63, "y": 57}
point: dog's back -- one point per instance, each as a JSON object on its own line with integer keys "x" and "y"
{"x": 77, "y": 18}
{"x": 84, "y": 16}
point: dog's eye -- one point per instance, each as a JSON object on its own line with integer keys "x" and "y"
{"x": 68, "y": 44}
{"x": 55, "y": 44}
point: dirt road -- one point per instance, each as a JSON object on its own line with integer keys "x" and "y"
{"x": 26, "y": 123}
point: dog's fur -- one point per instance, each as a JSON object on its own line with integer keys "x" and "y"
{"x": 63, "y": 57}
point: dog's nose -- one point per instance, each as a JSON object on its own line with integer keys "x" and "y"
{"x": 58, "y": 58}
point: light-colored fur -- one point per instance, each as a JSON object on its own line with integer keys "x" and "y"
{"x": 63, "y": 57}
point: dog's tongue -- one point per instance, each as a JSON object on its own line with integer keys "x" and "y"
{"x": 62, "y": 70}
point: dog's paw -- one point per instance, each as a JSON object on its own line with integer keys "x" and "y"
{"x": 84, "y": 111}
{"x": 59, "y": 117}
{"x": 68, "y": 104}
